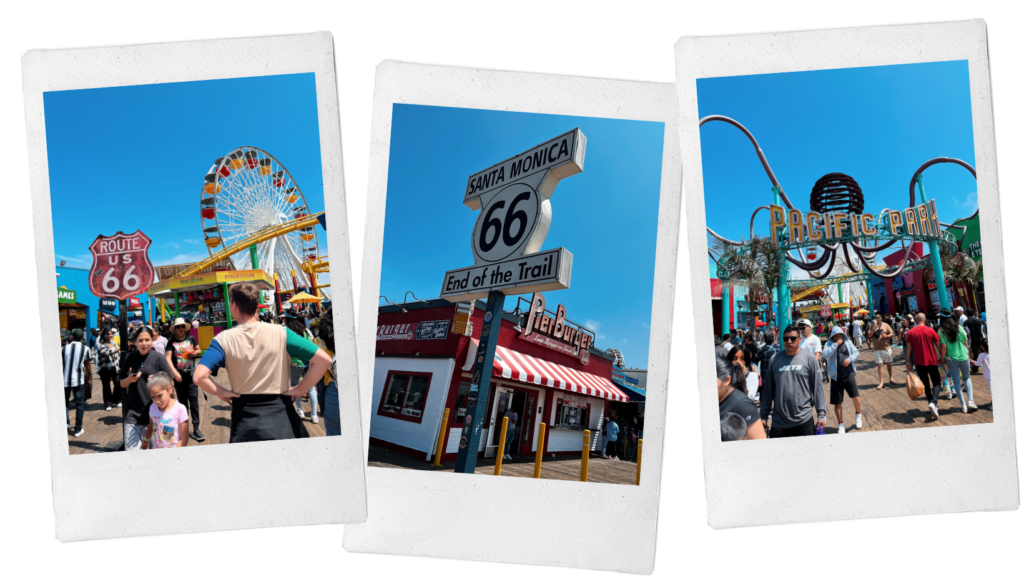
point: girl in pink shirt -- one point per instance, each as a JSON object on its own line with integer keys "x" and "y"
{"x": 168, "y": 419}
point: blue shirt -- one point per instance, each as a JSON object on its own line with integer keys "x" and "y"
{"x": 613, "y": 431}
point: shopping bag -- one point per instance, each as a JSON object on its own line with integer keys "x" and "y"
{"x": 915, "y": 388}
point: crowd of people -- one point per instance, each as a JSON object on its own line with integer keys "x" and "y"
{"x": 758, "y": 380}
{"x": 272, "y": 364}
{"x": 620, "y": 436}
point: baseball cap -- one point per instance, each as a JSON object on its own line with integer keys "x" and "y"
{"x": 959, "y": 309}
{"x": 803, "y": 323}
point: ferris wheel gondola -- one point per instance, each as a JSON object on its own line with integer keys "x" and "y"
{"x": 246, "y": 192}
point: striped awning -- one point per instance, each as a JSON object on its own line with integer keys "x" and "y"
{"x": 516, "y": 366}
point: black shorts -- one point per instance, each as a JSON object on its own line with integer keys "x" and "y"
{"x": 848, "y": 384}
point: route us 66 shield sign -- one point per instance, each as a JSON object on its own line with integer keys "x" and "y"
{"x": 120, "y": 265}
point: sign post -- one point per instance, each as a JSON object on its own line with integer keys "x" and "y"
{"x": 514, "y": 200}
{"x": 121, "y": 269}
{"x": 476, "y": 410}
{"x": 933, "y": 250}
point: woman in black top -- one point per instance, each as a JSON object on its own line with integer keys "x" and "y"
{"x": 732, "y": 400}
{"x": 136, "y": 369}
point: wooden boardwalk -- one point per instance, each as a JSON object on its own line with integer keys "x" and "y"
{"x": 103, "y": 431}
{"x": 559, "y": 468}
{"x": 890, "y": 408}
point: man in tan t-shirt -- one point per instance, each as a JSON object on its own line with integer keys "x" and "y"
{"x": 881, "y": 338}
{"x": 257, "y": 357}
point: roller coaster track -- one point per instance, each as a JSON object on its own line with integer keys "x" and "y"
{"x": 262, "y": 236}
{"x": 813, "y": 289}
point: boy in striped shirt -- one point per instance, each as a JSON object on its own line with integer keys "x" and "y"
{"x": 77, "y": 375}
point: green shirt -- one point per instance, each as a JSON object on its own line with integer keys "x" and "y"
{"x": 300, "y": 349}
{"x": 955, "y": 351}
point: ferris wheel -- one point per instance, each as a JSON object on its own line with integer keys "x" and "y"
{"x": 249, "y": 191}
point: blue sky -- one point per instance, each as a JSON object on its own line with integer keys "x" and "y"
{"x": 134, "y": 157}
{"x": 876, "y": 124}
{"x": 606, "y": 216}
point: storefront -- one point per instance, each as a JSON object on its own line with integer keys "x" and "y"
{"x": 72, "y": 314}
{"x": 424, "y": 357}
{"x": 204, "y": 297}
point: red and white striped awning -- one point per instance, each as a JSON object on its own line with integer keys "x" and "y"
{"x": 514, "y": 365}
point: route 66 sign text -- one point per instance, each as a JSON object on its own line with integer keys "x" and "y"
{"x": 120, "y": 265}
{"x": 514, "y": 199}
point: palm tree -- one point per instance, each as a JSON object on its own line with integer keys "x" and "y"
{"x": 756, "y": 266}
{"x": 962, "y": 270}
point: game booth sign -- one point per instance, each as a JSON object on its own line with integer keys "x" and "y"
{"x": 544, "y": 368}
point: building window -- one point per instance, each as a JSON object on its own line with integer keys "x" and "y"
{"x": 405, "y": 395}
{"x": 571, "y": 417}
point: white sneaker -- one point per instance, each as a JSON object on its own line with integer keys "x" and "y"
{"x": 118, "y": 405}
{"x": 842, "y": 428}
{"x": 316, "y": 418}
{"x": 963, "y": 408}
{"x": 80, "y": 432}
{"x": 860, "y": 423}
{"x": 301, "y": 414}
{"x": 934, "y": 410}
{"x": 972, "y": 405}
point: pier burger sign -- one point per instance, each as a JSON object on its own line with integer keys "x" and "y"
{"x": 556, "y": 332}
{"x": 514, "y": 200}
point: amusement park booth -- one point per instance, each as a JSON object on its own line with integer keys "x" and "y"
{"x": 208, "y": 293}
{"x": 425, "y": 353}
{"x": 72, "y": 314}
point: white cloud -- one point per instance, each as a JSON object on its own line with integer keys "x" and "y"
{"x": 646, "y": 326}
{"x": 595, "y": 327}
{"x": 174, "y": 245}
{"x": 970, "y": 203}
{"x": 189, "y": 241}
{"x": 183, "y": 258}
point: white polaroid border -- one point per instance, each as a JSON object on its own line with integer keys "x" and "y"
{"x": 409, "y": 504}
{"x": 888, "y": 473}
{"x": 227, "y": 486}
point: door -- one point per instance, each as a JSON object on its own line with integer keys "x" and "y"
{"x": 528, "y": 421}
{"x": 502, "y": 399}
{"x": 519, "y": 408}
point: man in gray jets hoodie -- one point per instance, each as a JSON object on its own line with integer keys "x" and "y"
{"x": 793, "y": 389}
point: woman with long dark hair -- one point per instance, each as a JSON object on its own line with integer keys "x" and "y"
{"x": 732, "y": 399}
{"x": 744, "y": 357}
{"x": 953, "y": 350}
{"x": 325, "y": 340}
{"x": 298, "y": 368}
{"x": 138, "y": 366}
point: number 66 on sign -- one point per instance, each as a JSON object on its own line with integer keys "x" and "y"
{"x": 120, "y": 265}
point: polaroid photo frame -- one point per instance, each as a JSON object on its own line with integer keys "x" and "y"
{"x": 229, "y": 486}
{"x": 894, "y": 472}
{"x": 410, "y": 509}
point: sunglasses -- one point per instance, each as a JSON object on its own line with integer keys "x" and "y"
{"x": 788, "y": 339}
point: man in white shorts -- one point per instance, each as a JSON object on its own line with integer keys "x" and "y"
{"x": 881, "y": 338}
{"x": 857, "y": 332}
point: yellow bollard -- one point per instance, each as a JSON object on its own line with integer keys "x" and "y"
{"x": 501, "y": 446}
{"x": 440, "y": 439}
{"x": 586, "y": 456}
{"x": 639, "y": 456}
{"x": 540, "y": 451}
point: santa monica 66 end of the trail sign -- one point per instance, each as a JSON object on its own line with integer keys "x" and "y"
{"x": 514, "y": 200}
